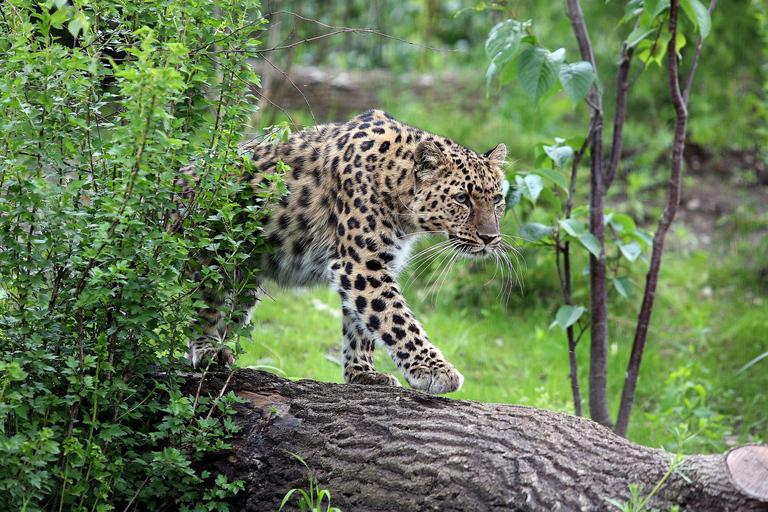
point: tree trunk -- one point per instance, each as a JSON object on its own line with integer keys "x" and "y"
{"x": 395, "y": 449}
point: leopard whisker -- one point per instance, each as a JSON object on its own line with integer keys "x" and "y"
{"x": 425, "y": 264}
{"x": 419, "y": 254}
{"x": 443, "y": 277}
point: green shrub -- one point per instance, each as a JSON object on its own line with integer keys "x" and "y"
{"x": 101, "y": 103}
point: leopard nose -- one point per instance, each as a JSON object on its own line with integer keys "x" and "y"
{"x": 487, "y": 239}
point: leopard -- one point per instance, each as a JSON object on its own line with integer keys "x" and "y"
{"x": 360, "y": 194}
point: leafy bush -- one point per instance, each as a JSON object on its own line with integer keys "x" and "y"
{"x": 101, "y": 103}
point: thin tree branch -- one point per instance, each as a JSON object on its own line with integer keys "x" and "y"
{"x": 620, "y": 115}
{"x": 566, "y": 283}
{"x": 678, "y": 144}
{"x": 598, "y": 359}
{"x": 695, "y": 61}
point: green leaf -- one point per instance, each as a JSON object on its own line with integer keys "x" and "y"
{"x": 638, "y": 35}
{"x": 504, "y": 40}
{"x": 509, "y": 73}
{"x": 622, "y": 223}
{"x": 656, "y": 7}
{"x": 503, "y": 44}
{"x": 624, "y": 286}
{"x": 642, "y": 236}
{"x": 533, "y": 231}
{"x": 537, "y": 70}
{"x": 530, "y": 186}
{"x": 573, "y": 227}
{"x": 59, "y": 17}
{"x": 555, "y": 176}
{"x": 76, "y": 25}
{"x": 568, "y": 315}
{"x": 577, "y": 80}
{"x": 631, "y": 251}
{"x": 698, "y": 14}
{"x": 561, "y": 155}
{"x": 591, "y": 243}
{"x": 548, "y": 195}
{"x": 513, "y": 197}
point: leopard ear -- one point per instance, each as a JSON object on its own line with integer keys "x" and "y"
{"x": 428, "y": 158}
{"x": 497, "y": 155}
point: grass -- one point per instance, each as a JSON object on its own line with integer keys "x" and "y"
{"x": 509, "y": 355}
{"x": 710, "y": 317}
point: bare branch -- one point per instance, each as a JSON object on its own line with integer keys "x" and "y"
{"x": 598, "y": 359}
{"x": 678, "y": 144}
{"x": 285, "y": 75}
{"x": 619, "y": 116}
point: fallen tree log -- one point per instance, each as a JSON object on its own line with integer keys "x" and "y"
{"x": 395, "y": 449}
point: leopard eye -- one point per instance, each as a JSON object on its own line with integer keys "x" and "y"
{"x": 498, "y": 199}
{"x": 461, "y": 197}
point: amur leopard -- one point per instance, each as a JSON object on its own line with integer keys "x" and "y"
{"x": 361, "y": 193}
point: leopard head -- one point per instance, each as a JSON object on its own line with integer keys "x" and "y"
{"x": 459, "y": 192}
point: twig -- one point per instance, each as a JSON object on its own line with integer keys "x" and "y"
{"x": 329, "y": 34}
{"x": 285, "y": 75}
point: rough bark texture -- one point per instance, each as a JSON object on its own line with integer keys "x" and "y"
{"x": 395, "y": 449}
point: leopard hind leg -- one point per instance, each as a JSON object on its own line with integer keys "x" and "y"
{"x": 214, "y": 324}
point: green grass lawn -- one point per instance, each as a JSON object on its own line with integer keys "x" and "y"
{"x": 706, "y": 325}
{"x": 710, "y": 316}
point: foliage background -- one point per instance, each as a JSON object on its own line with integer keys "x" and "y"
{"x": 93, "y": 286}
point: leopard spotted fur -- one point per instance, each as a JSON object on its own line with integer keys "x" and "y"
{"x": 361, "y": 192}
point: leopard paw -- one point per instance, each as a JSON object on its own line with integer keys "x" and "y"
{"x": 373, "y": 378}
{"x": 202, "y": 353}
{"x": 439, "y": 379}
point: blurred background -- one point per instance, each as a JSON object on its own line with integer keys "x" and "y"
{"x": 711, "y": 313}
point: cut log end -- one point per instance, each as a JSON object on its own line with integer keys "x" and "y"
{"x": 748, "y": 470}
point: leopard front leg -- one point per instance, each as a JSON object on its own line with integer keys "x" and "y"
{"x": 371, "y": 297}
{"x": 357, "y": 354}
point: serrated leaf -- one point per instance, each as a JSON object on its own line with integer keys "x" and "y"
{"x": 555, "y": 176}
{"x": 566, "y": 316}
{"x": 577, "y": 80}
{"x": 591, "y": 243}
{"x": 624, "y": 286}
{"x": 638, "y": 35}
{"x": 698, "y": 14}
{"x": 533, "y": 231}
{"x": 573, "y": 227}
{"x": 561, "y": 155}
{"x": 530, "y": 186}
{"x": 631, "y": 251}
{"x": 538, "y": 69}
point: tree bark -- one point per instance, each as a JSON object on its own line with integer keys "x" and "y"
{"x": 395, "y": 449}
